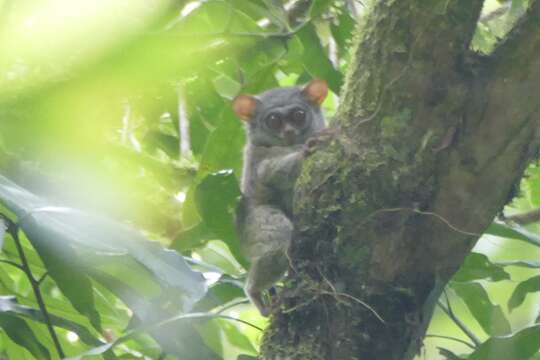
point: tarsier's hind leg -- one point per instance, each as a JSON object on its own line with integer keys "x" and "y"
{"x": 263, "y": 274}
{"x": 267, "y": 236}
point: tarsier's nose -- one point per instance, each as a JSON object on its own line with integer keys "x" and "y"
{"x": 289, "y": 134}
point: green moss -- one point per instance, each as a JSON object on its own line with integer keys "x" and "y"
{"x": 371, "y": 160}
{"x": 351, "y": 254}
{"x": 274, "y": 345}
{"x": 392, "y": 126}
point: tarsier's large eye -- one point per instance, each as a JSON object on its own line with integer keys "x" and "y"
{"x": 298, "y": 118}
{"x": 274, "y": 121}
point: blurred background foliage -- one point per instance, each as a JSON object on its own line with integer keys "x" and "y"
{"x": 119, "y": 175}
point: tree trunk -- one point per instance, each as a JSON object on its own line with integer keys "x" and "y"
{"x": 431, "y": 143}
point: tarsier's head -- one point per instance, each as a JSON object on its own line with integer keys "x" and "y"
{"x": 283, "y": 116}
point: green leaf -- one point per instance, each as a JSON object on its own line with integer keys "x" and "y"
{"x": 533, "y": 179}
{"x": 13, "y": 350}
{"x": 318, "y": 7}
{"x": 263, "y": 79}
{"x": 521, "y": 345}
{"x": 182, "y": 339}
{"x": 3, "y": 228}
{"x": 520, "y": 292}
{"x": 127, "y": 270}
{"x": 163, "y": 324}
{"x": 175, "y": 338}
{"x": 217, "y": 253}
{"x": 9, "y": 305}
{"x": 478, "y": 266}
{"x": 513, "y": 232}
{"x": 276, "y": 13}
{"x": 488, "y": 315}
{"x": 344, "y": 30}
{"x": 236, "y": 337}
{"x": 295, "y": 49}
{"x": 17, "y": 199}
{"x": 217, "y": 198}
{"x": 192, "y": 238}
{"x": 138, "y": 304}
{"x": 447, "y": 354}
{"x": 204, "y": 266}
{"x": 63, "y": 266}
{"x": 19, "y": 332}
{"x": 484, "y": 40}
{"x": 211, "y": 335}
{"x": 72, "y": 243}
{"x": 31, "y": 255}
{"x": 157, "y": 140}
{"x": 7, "y": 213}
{"x": 223, "y": 150}
{"x": 60, "y": 234}
{"x": 226, "y": 86}
{"x": 59, "y": 307}
{"x": 6, "y": 282}
{"x": 316, "y": 60}
{"x": 521, "y": 263}
{"x": 224, "y": 291}
{"x": 267, "y": 54}
{"x": 99, "y": 350}
{"x": 254, "y": 9}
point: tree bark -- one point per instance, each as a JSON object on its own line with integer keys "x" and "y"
{"x": 431, "y": 143}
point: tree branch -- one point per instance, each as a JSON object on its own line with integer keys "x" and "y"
{"x": 507, "y": 118}
{"x": 42, "y": 278}
{"x": 465, "y": 14}
{"x": 511, "y": 57}
{"x": 513, "y": 75}
{"x": 525, "y": 218}
{"x": 497, "y": 136}
{"x": 12, "y": 263}
{"x": 415, "y": 30}
{"x": 14, "y": 232}
{"x": 450, "y": 312}
{"x": 380, "y": 166}
{"x": 430, "y": 147}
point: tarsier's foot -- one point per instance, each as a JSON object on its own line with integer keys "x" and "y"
{"x": 265, "y": 311}
{"x": 266, "y": 304}
{"x": 257, "y": 300}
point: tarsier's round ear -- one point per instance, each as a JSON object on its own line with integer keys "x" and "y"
{"x": 244, "y": 106}
{"x": 316, "y": 91}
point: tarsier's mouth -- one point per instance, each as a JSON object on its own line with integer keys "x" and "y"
{"x": 289, "y": 137}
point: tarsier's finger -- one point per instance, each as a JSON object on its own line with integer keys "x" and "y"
{"x": 310, "y": 146}
{"x": 322, "y": 137}
{"x": 326, "y": 132}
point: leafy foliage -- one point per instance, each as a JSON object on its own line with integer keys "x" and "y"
{"x": 128, "y": 238}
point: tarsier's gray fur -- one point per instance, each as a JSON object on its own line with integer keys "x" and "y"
{"x": 271, "y": 167}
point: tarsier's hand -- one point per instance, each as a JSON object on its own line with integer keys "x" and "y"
{"x": 323, "y": 137}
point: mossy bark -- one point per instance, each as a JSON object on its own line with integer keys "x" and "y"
{"x": 431, "y": 142}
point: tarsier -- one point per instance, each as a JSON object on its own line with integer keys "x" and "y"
{"x": 282, "y": 126}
